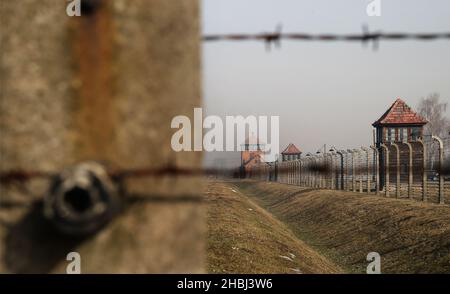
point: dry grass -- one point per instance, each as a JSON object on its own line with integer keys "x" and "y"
{"x": 412, "y": 237}
{"x": 244, "y": 238}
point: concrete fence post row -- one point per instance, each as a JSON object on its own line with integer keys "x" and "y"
{"x": 399, "y": 169}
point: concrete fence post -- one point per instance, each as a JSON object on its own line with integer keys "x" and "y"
{"x": 310, "y": 180}
{"x": 307, "y": 172}
{"x": 377, "y": 169}
{"x": 410, "y": 170}
{"x": 341, "y": 154}
{"x": 304, "y": 172}
{"x": 397, "y": 188}
{"x": 345, "y": 170}
{"x": 296, "y": 172}
{"x": 352, "y": 153}
{"x": 313, "y": 172}
{"x": 424, "y": 171}
{"x": 292, "y": 164}
{"x": 293, "y": 170}
{"x": 105, "y": 87}
{"x": 301, "y": 171}
{"x": 316, "y": 174}
{"x": 386, "y": 168}
{"x": 368, "y": 168}
{"x": 289, "y": 172}
{"x": 320, "y": 174}
{"x": 441, "y": 164}
{"x": 331, "y": 172}
{"x": 360, "y": 174}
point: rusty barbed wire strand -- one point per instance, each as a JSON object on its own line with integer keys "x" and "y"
{"x": 15, "y": 176}
{"x": 272, "y": 37}
{"x": 365, "y": 37}
{"x": 21, "y": 175}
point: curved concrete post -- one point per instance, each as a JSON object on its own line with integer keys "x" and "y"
{"x": 301, "y": 172}
{"x": 360, "y": 174}
{"x": 367, "y": 167}
{"x": 397, "y": 188}
{"x": 304, "y": 171}
{"x": 307, "y": 171}
{"x": 317, "y": 172}
{"x": 386, "y": 169}
{"x": 441, "y": 163}
{"x": 410, "y": 169}
{"x": 306, "y": 168}
{"x": 289, "y": 172}
{"x": 275, "y": 171}
{"x": 292, "y": 166}
{"x": 311, "y": 173}
{"x": 314, "y": 173}
{"x": 294, "y": 172}
{"x": 346, "y": 170}
{"x": 334, "y": 171}
{"x": 352, "y": 153}
{"x": 377, "y": 169}
{"x": 320, "y": 173}
{"x": 341, "y": 154}
{"x": 424, "y": 171}
{"x": 286, "y": 172}
{"x": 331, "y": 172}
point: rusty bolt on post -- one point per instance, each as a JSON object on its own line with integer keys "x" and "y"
{"x": 82, "y": 199}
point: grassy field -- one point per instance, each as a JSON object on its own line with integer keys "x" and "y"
{"x": 410, "y": 236}
{"x": 244, "y": 238}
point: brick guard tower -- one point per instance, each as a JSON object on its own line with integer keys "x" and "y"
{"x": 399, "y": 124}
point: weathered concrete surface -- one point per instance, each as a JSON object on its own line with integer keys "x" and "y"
{"x": 103, "y": 87}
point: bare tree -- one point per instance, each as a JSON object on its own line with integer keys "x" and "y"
{"x": 435, "y": 112}
{"x": 438, "y": 124}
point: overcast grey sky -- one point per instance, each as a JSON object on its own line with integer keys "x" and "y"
{"x": 323, "y": 92}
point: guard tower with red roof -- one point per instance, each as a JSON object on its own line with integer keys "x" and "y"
{"x": 399, "y": 124}
{"x": 291, "y": 153}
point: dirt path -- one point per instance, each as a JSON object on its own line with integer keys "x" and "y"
{"x": 245, "y": 238}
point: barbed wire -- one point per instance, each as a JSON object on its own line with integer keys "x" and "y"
{"x": 22, "y": 175}
{"x": 365, "y": 37}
